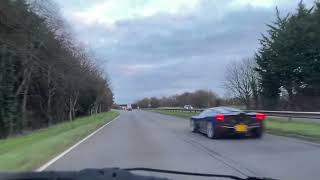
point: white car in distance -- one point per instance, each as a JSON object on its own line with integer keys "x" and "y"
{"x": 188, "y": 107}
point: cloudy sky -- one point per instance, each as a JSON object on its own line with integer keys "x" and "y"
{"x": 163, "y": 47}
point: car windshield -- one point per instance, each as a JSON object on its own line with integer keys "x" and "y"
{"x": 229, "y": 87}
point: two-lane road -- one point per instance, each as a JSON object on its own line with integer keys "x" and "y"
{"x": 145, "y": 139}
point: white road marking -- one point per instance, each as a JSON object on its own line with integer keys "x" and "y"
{"x": 43, "y": 167}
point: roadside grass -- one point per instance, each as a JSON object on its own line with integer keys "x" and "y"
{"x": 28, "y": 152}
{"x": 302, "y": 130}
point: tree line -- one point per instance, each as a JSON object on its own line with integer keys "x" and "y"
{"x": 199, "y": 99}
{"x": 46, "y": 77}
{"x": 284, "y": 74}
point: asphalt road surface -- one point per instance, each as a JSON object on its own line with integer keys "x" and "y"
{"x": 145, "y": 139}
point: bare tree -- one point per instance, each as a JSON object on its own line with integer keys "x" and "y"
{"x": 242, "y": 81}
{"x": 198, "y": 99}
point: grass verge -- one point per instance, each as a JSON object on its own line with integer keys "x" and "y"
{"x": 31, "y": 151}
{"x": 301, "y": 130}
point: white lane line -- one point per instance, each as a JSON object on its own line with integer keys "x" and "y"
{"x": 43, "y": 167}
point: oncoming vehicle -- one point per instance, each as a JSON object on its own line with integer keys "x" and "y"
{"x": 129, "y": 107}
{"x": 219, "y": 121}
{"x": 187, "y": 107}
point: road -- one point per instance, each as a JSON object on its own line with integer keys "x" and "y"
{"x": 146, "y": 139}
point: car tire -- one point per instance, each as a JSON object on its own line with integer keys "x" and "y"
{"x": 212, "y": 132}
{"x": 258, "y": 133}
{"x": 193, "y": 126}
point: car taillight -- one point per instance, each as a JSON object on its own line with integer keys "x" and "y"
{"x": 260, "y": 116}
{"x": 220, "y": 117}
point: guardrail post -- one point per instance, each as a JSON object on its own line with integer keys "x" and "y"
{"x": 289, "y": 118}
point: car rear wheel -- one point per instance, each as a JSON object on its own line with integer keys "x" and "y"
{"x": 210, "y": 131}
{"x": 193, "y": 126}
{"x": 257, "y": 133}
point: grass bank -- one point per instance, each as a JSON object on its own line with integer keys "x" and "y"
{"x": 302, "y": 130}
{"x": 31, "y": 151}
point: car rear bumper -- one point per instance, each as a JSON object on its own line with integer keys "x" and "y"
{"x": 232, "y": 131}
{"x": 232, "y": 127}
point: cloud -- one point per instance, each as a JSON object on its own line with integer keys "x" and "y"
{"x": 163, "y": 47}
{"x": 109, "y": 12}
{"x": 129, "y": 70}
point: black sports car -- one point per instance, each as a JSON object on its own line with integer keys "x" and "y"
{"x": 219, "y": 121}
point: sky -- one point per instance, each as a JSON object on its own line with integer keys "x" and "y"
{"x": 155, "y": 48}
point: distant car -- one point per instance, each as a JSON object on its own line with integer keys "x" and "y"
{"x": 129, "y": 107}
{"x": 219, "y": 121}
{"x": 187, "y": 107}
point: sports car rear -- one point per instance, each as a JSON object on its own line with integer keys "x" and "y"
{"x": 249, "y": 124}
